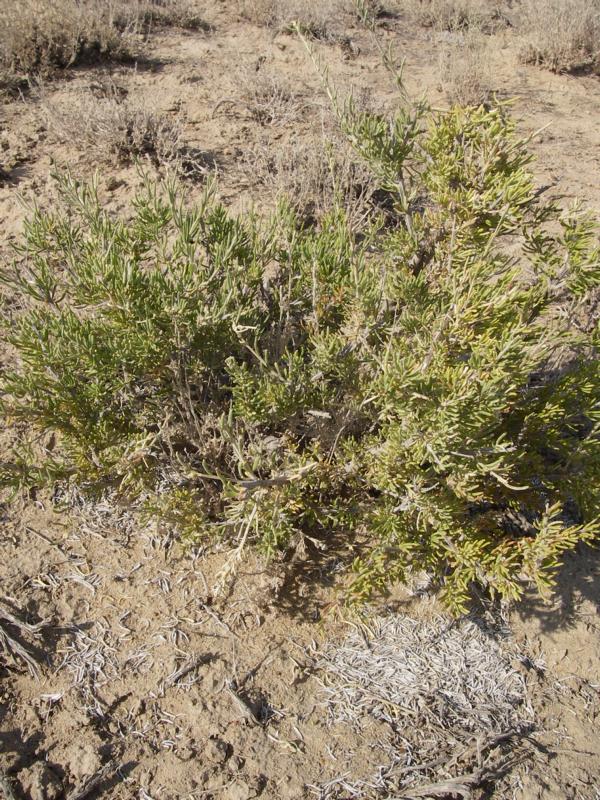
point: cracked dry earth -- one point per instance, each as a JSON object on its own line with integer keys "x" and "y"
{"x": 143, "y": 684}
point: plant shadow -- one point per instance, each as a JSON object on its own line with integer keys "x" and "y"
{"x": 311, "y": 581}
{"x": 577, "y": 581}
{"x": 312, "y": 585}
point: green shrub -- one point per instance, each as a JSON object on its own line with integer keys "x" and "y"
{"x": 415, "y": 388}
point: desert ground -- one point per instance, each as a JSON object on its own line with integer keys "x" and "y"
{"x": 137, "y": 681}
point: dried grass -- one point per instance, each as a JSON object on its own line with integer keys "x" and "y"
{"x": 453, "y": 674}
{"x": 40, "y": 36}
{"x": 91, "y": 659}
{"x": 447, "y": 691}
{"x": 452, "y": 15}
{"x": 316, "y": 18}
{"x": 174, "y": 13}
{"x": 562, "y": 35}
{"x": 313, "y": 176}
{"x": 367, "y": 11}
{"x": 12, "y": 631}
{"x": 113, "y": 128}
{"x": 103, "y": 517}
{"x": 268, "y": 99}
{"x": 465, "y": 70}
{"x": 44, "y": 35}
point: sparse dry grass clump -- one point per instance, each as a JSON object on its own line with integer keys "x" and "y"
{"x": 177, "y": 13}
{"x": 465, "y": 71}
{"x": 267, "y": 97}
{"x": 314, "y": 17}
{"x": 116, "y": 129}
{"x": 314, "y": 176}
{"x": 113, "y": 127}
{"x": 44, "y": 35}
{"x": 259, "y": 12}
{"x": 451, "y": 15}
{"x": 562, "y": 35}
{"x": 40, "y": 36}
{"x": 367, "y": 10}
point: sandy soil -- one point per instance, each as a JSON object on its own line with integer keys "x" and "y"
{"x": 148, "y": 684}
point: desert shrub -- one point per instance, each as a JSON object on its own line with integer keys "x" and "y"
{"x": 113, "y": 128}
{"x": 173, "y": 13}
{"x": 259, "y": 12}
{"x": 562, "y": 35}
{"x": 313, "y": 175}
{"x": 464, "y": 69}
{"x": 452, "y": 15}
{"x": 43, "y": 35}
{"x": 265, "y": 97}
{"x": 315, "y": 18}
{"x": 368, "y": 11}
{"x": 413, "y": 390}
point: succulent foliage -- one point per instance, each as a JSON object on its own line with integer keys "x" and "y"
{"x": 420, "y": 388}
